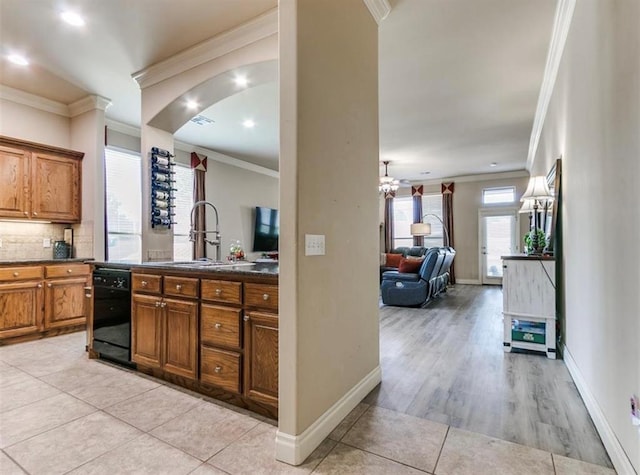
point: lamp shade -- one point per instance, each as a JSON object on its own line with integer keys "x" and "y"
{"x": 527, "y": 207}
{"x": 537, "y": 189}
{"x": 421, "y": 229}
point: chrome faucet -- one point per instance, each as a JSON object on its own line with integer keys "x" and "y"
{"x": 217, "y": 239}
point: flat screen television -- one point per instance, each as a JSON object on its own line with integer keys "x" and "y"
{"x": 267, "y": 230}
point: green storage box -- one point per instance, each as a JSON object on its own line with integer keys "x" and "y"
{"x": 530, "y": 332}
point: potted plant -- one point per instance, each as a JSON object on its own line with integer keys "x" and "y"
{"x": 529, "y": 242}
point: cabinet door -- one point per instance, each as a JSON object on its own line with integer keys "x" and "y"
{"x": 64, "y": 302}
{"x": 146, "y": 330}
{"x": 55, "y": 183}
{"x": 14, "y": 173}
{"x": 261, "y": 357}
{"x": 181, "y": 338}
{"x": 20, "y": 308}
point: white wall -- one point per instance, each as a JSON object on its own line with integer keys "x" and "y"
{"x": 329, "y": 327}
{"x": 593, "y": 123}
{"x": 27, "y": 123}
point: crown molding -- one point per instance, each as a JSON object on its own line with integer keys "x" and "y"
{"x": 561, "y": 24}
{"x": 87, "y": 104}
{"x": 256, "y": 29}
{"x": 226, "y": 159}
{"x": 37, "y": 102}
{"x": 472, "y": 178}
{"x": 123, "y": 128}
{"x": 379, "y": 9}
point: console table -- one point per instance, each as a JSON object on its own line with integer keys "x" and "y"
{"x": 529, "y": 303}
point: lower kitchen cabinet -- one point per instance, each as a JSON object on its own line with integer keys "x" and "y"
{"x": 20, "y": 308}
{"x": 261, "y": 357}
{"x": 180, "y": 337}
{"x": 146, "y": 330}
{"x": 38, "y": 301}
{"x": 164, "y": 334}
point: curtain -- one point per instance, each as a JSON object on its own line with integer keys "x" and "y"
{"x": 416, "y": 192}
{"x": 199, "y": 164}
{"x": 388, "y": 221}
{"x": 447, "y": 218}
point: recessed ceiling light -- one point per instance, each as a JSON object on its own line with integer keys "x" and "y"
{"x": 249, "y": 124}
{"x": 424, "y": 173}
{"x": 192, "y": 105}
{"x": 241, "y": 81}
{"x": 18, "y": 59}
{"x": 72, "y": 18}
{"x": 493, "y": 164}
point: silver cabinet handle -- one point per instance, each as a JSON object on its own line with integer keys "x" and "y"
{"x": 218, "y": 369}
{"x": 218, "y": 292}
{"x": 144, "y": 283}
{"x": 164, "y": 304}
{"x": 26, "y": 214}
{"x": 69, "y": 271}
{"x": 158, "y": 304}
{"x": 49, "y": 285}
{"x": 39, "y": 286}
{"x": 246, "y": 318}
{"x": 178, "y": 287}
{"x": 35, "y": 214}
{"x": 218, "y": 326}
{"x": 16, "y": 274}
{"x": 265, "y": 297}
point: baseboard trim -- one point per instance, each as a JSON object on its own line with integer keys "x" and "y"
{"x": 467, "y": 281}
{"x": 619, "y": 458}
{"x": 294, "y": 449}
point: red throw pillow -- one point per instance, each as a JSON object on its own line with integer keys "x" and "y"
{"x": 393, "y": 260}
{"x": 411, "y": 266}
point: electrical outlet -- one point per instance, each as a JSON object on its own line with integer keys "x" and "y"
{"x": 314, "y": 244}
{"x": 46, "y": 242}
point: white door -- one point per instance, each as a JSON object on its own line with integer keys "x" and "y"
{"x": 498, "y": 237}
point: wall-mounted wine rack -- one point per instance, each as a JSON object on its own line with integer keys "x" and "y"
{"x": 162, "y": 188}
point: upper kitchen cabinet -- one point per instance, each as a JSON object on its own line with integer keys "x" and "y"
{"x": 39, "y": 182}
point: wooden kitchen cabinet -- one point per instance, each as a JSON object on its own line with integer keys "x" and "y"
{"x": 38, "y": 301}
{"x": 164, "y": 330}
{"x": 64, "y": 293}
{"x": 20, "y": 308}
{"x": 39, "y": 182}
{"x": 146, "y": 330}
{"x": 261, "y": 357}
{"x": 14, "y": 170}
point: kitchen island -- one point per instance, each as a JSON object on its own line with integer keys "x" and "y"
{"x": 208, "y": 327}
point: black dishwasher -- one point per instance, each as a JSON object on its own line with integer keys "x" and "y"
{"x": 112, "y": 314}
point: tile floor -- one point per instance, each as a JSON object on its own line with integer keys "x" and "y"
{"x": 62, "y": 413}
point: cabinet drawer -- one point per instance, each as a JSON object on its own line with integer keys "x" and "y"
{"x": 222, "y": 291}
{"x": 261, "y": 295}
{"x": 181, "y": 286}
{"x": 220, "y": 326}
{"x": 10, "y": 274}
{"x": 220, "y": 368}
{"x": 70, "y": 270}
{"x": 146, "y": 283}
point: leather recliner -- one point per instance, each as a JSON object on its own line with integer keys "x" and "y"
{"x": 406, "y": 289}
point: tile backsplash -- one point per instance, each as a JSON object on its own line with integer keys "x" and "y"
{"x": 25, "y": 240}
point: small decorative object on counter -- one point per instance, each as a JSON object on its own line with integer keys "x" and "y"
{"x": 235, "y": 251}
{"x": 162, "y": 181}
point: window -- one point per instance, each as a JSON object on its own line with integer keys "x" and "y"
{"x": 123, "y": 202}
{"x": 494, "y": 196}
{"x": 182, "y": 247}
{"x": 403, "y": 218}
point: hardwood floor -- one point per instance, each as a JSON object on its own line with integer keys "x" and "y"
{"x": 445, "y": 363}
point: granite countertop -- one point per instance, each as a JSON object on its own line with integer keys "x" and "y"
{"x": 40, "y": 261}
{"x": 244, "y": 268}
{"x": 525, "y": 257}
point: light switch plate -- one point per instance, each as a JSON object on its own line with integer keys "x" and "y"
{"x": 46, "y": 242}
{"x": 314, "y": 244}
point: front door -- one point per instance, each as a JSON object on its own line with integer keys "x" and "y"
{"x": 497, "y": 238}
